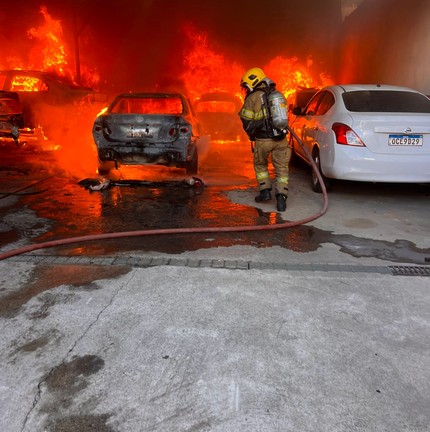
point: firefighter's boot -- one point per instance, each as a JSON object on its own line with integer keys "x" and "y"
{"x": 264, "y": 195}
{"x": 281, "y": 202}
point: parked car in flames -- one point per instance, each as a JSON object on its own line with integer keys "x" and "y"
{"x": 217, "y": 113}
{"x": 45, "y": 95}
{"x": 148, "y": 129}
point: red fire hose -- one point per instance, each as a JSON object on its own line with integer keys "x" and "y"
{"x": 161, "y": 231}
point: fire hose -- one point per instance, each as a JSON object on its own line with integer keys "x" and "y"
{"x": 164, "y": 231}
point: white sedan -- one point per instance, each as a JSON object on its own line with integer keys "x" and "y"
{"x": 371, "y": 133}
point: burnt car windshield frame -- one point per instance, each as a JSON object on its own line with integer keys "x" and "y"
{"x": 133, "y": 101}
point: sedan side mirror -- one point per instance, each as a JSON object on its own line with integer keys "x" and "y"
{"x": 297, "y": 111}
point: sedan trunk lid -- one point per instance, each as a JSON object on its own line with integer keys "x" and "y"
{"x": 394, "y": 133}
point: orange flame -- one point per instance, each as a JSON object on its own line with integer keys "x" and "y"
{"x": 49, "y": 53}
{"x": 208, "y": 71}
{"x": 289, "y": 73}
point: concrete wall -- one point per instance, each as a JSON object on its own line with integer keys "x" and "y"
{"x": 388, "y": 42}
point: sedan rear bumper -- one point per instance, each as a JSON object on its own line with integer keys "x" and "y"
{"x": 359, "y": 164}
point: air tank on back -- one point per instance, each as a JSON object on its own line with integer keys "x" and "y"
{"x": 278, "y": 109}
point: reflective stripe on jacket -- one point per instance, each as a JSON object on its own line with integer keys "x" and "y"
{"x": 254, "y": 115}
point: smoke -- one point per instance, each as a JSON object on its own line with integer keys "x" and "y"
{"x": 67, "y": 134}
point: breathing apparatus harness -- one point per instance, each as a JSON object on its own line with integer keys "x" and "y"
{"x": 274, "y": 110}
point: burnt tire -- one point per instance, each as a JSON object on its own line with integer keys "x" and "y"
{"x": 192, "y": 166}
{"x": 105, "y": 168}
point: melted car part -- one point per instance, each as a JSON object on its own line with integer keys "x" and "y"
{"x": 100, "y": 184}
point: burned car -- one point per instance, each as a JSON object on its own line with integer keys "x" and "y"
{"x": 45, "y": 95}
{"x": 217, "y": 113}
{"x": 148, "y": 129}
{"x": 11, "y": 117}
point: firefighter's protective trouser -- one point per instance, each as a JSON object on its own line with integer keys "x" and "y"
{"x": 281, "y": 154}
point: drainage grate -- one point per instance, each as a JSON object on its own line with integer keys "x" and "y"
{"x": 409, "y": 271}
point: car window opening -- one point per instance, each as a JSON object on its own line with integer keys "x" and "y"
{"x": 29, "y": 84}
{"x": 172, "y": 106}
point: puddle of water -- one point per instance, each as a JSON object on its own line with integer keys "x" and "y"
{"x": 70, "y": 375}
{"x": 46, "y": 277}
{"x": 64, "y": 382}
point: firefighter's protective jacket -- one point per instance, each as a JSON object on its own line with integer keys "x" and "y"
{"x": 254, "y": 115}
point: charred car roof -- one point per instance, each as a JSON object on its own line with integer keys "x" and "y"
{"x": 7, "y": 75}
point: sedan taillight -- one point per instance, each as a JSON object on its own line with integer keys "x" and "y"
{"x": 178, "y": 130}
{"x": 346, "y": 136}
{"x": 172, "y": 131}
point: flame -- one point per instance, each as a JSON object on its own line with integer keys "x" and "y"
{"x": 215, "y": 106}
{"x": 207, "y": 71}
{"x": 103, "y": 110}
{"x": 170, "y": 105}
{"x": 49, "y": 53}
{"x": 25, "y": 84}
{"x": 289, "y": 74}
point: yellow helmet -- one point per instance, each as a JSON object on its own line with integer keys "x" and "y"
{"x": 252, "y": 78}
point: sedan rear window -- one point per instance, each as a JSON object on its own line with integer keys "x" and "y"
{"x": 172, "y": 106}
{"x": 386, "y": 101}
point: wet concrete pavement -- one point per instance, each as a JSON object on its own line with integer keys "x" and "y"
{"x": 387, "y": 222}
{"x": 305, "y": 329}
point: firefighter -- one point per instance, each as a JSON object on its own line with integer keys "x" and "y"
{"x": 265, "y": 139}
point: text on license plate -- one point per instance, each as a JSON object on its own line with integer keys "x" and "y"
{"x": 135, "y": 134}
{"x": 405, "y": 140}
{"x": 139, "y": 135}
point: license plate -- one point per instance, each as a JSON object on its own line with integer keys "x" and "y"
{"x": 145, "y": 133}
{"x": 135, "y": 134}
{"x": 405, "y": 140}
